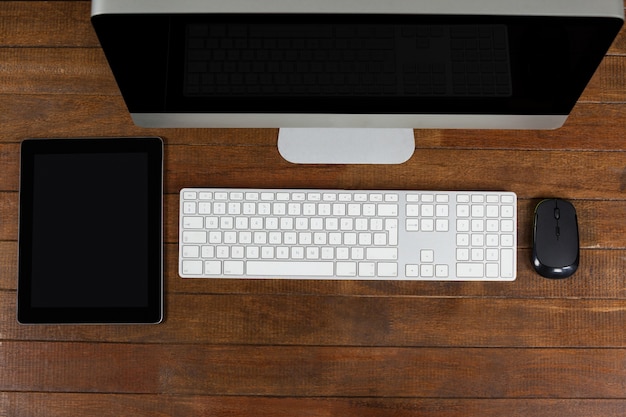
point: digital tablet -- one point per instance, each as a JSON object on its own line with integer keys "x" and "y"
{"x": 90, "y": 231}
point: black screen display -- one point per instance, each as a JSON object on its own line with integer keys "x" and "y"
{"x": 90, "y": 240}
{"x": 346, "y": 60}
{"x": 359, "y": 64}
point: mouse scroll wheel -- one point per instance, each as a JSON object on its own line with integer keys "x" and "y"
{"x": 557, "y": 213}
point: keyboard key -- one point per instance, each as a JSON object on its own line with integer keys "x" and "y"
{"x": 346, "y": 269}
{"x": 382, "y": 253}
{"x": 507, "y": 263}
{"x": 367, "y": 269}
{"x": 194, "y": 237}
{"x": 427, "y": 270}
{"x": 441, "y": 225}
{"x": 277, "y": 268}
{"x": 233, "y": 267}
{"x": 191, "y": 251}
{"x": 386, "y": 210}
{"x": 412, "y": 270}
{"x": 427, "y": 255}
{"x": 213, "y": 267}
{"x": 193, "y": 222}
{"x": 441, "y": 271}
{"x": 427, "y": 225}
{"x": 507, "y": 211}
{"x": 492, "y": 270}
{"x": 388, "y": 269}
{"x": 412, "y": 210}
{"x": 192, "y": 267}
{"x": 469, "y": 270}
{"x": 189, "y": 207}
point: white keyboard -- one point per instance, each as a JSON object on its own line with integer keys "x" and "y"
{"x": 354, "y": 235}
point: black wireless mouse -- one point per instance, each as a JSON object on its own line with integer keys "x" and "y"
{"x": 555, "y": 239}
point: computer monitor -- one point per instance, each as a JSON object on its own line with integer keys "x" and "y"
{"x": 320, "y": 69}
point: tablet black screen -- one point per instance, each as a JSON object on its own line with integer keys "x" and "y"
{"x": 90, "y": 231}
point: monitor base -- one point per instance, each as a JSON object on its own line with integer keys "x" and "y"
{"x": 346, "y": 145}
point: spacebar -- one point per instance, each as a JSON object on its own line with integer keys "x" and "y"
{"x": 272, "y": 268}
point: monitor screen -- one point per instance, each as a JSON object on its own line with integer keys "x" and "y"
{"x": 338, "y": 70}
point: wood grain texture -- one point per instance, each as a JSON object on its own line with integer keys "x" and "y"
{"x": 199, "y": 369}
{"x": 415, "y": 320}
{"x": 70, "y": 405}
{"x": 44, "y": 23}
{"x": 532, "y": 347}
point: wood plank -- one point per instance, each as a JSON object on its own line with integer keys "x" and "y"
{"x": 437, "y": 320}
{"x": 531, "y": 174}
{"x": 8, "y": 265}
{"x": 56, "y": 71}
{"x": 27, "y": 116}
{"x": 18, "y": 404}
{"x": 46, "y": 23}
{"x": 313, "y": 372}
{"x": 607, "y": 84}
{"x": 591, "y": 126}
{"x": 8, "y": 219}
{"x": 619, "y": 44}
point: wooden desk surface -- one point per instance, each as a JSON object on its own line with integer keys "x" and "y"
{"x": 534, "y": 347}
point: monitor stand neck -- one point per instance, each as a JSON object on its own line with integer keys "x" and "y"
{"x": 346, "y": 145}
